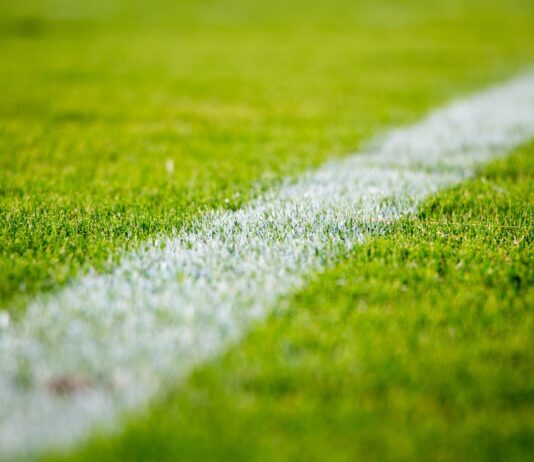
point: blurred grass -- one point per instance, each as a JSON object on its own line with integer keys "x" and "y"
{"x": 418, "y": 347}
{"x": 120, "y": 120}
{"x": 99, "y": 97}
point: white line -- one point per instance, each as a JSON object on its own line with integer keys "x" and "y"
{"x": 107, "y": 343}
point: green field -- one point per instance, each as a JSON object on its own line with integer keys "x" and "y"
{"x": 417, "y": 348}
{"x": 121, "y": 121}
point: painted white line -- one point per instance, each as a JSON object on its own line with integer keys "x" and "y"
{"x": 107, "y": 343}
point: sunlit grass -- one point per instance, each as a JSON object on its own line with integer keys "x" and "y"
{"x": 95, "y": 104}
{"x": 418, "y": 347}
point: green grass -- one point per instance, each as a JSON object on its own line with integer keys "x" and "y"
{"x": 418, "y": 347}
{"x": 99, "y": 96}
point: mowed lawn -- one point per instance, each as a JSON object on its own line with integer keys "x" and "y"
{"x": 121, "y": 121}
{"x": 419, "y": 347}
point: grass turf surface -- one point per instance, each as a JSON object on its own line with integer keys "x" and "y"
{"x": 121, "y": 121}
{"x": 419, "y": 347}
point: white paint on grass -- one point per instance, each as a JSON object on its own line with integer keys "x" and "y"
{"x": 4, "y": 320}
{"x": 107, "y": 343}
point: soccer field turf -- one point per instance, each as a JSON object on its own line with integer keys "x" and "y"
{"x": 123, "y": 122}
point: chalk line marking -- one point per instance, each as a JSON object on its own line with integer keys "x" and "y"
{"x": 106, "y": 344}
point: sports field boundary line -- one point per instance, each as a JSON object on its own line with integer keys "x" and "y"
{"x": 107, "y": 343}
